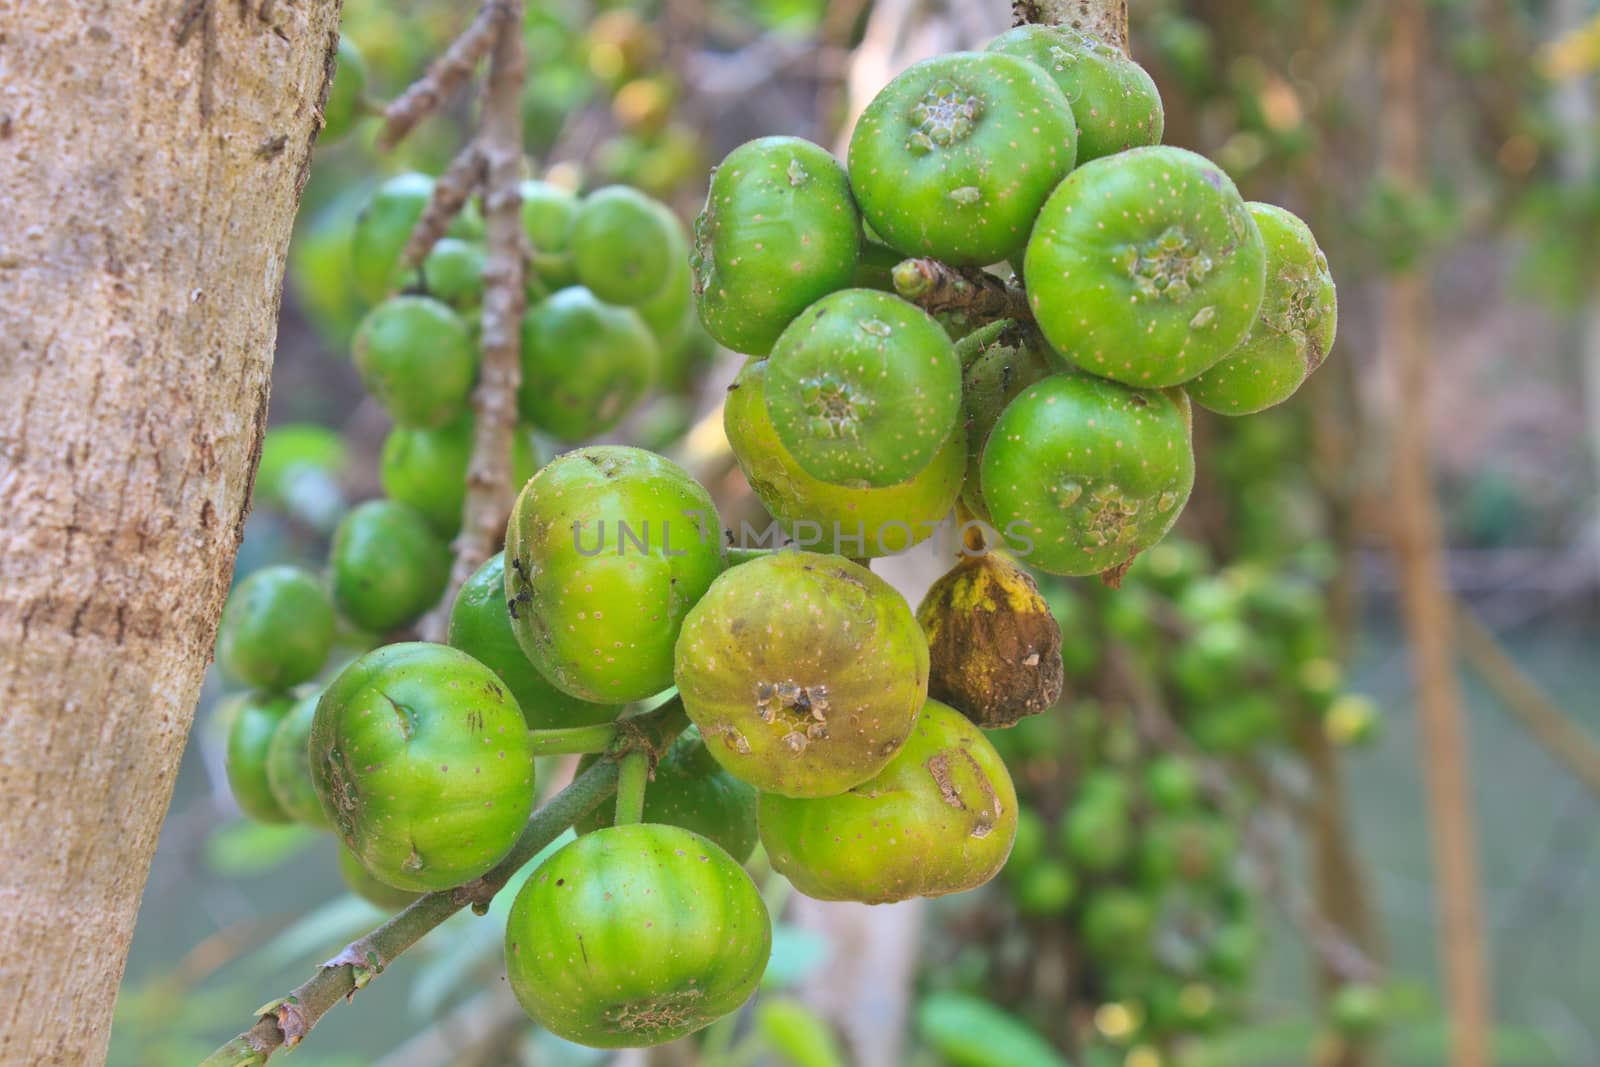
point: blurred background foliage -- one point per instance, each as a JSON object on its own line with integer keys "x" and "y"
{"x": 1259, "y": 651}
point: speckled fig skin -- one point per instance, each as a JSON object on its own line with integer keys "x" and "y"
{"x": 956, "y": 154}
{"x": 864, "y": 389}
{"x": 1145, "y": 267}
{"x": 689, "y": 788}
{"x": 780, "y": 230}
{"x": 600, "y": 623}
{"x": 998, "y": 362}
{"x": 804, "y": 672}
{"x": 635, "y": 935}
{"x": 1089, "y": 471}
{"x": 887, "y": 520}
{"x": 480, "y": 626}
{"x": 939, "y": 819}
{"x": 1114, "y": 100}
{"x": 1294, "y": 331}
{"x": 422, "y": 762}
{"x": 585, "y": 364}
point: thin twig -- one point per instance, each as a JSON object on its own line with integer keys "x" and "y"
{"x": 1549, "y": 725}
{"x": 938, "y": 287}
{"x": 448, "y": 72}
{"x": 462, "y": 178}
{"x": 283, "y": 1023}
{"x": 1333, "y": 948}
{"x": 489, "y": 490}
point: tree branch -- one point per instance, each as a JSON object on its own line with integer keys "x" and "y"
{"x": 284, "y": 1022}
{"x": 489, "y": 490}
{"x": 1567, "y": 742}
{"x": 1106, "y": 19}
{"x": 449, "y": 71}
{"x": 451, "y": 192}
{"x": 1418, "y": 550}
{"x": 1333, "y": 948}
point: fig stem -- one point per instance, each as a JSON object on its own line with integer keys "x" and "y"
{"x": 633, "y": 777}
{"x": 938, "y": 287}
{"x": 287, "y": 1020}
{"x": 574, "y": 740}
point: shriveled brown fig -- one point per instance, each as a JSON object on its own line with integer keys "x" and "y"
{"x": 994, "y": 649}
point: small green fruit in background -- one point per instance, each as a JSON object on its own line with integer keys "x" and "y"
{"x": 345, "y": 96}
{"x": 804, "y": 672}
{"x": 939, "y": 819}
{"x": 1352, "y": 719}
{"x": 254, "y": 718}
{"x": 864, "y": 389}
{"x": 276, "y": 629}
{"x": 1172, "y": 784}
{"x": 622, "y": 248}
{"x": 670, "y": 313}
{"x": 417, "y": 359}
{"x": 607, "y": 550}
{"x": 585, "y": 364}
{"x": 480, "y": 626}
{"x": 1097, "y": 832}
{"x": 383, "y": 227}
{"x": 388, "y": 565}
{"x": 690, "y": 789}
{"x": 1293, "y": 332}
{"x": 636, "y": 935}
{"x": 1357, "y": 1009}
{"x": 548, "y": 214}
{"x": 1091, "y": 472}
{"x": 1145, "y": 267}
{"x": 427, "y": 469}
{"x": 453, "y": 273}
{"x": 779, "y": 232}
{"x": 1114, "y": 100}
{"x": 1119, "y": 925}
{"x": 422, "y": 761}
{"x": 289, "y": 765}
{"x": 953, "y": 158}
{"x": 1045, "y": 890}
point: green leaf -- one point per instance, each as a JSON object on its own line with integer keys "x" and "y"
{"x": 797, "y": 1034}
{"x": 244, "y": 848}
{"x": 970, "y": 1032}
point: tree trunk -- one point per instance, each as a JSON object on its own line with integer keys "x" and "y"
{"x": 1404, "y": 337}
{"x": 153, "y": 153}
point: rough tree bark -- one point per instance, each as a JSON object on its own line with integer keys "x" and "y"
{"x": 153, "y": 155}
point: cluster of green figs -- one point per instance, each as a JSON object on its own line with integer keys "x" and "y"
{"x": 1150, "y": 282}
{"x": 805, "y": 676}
